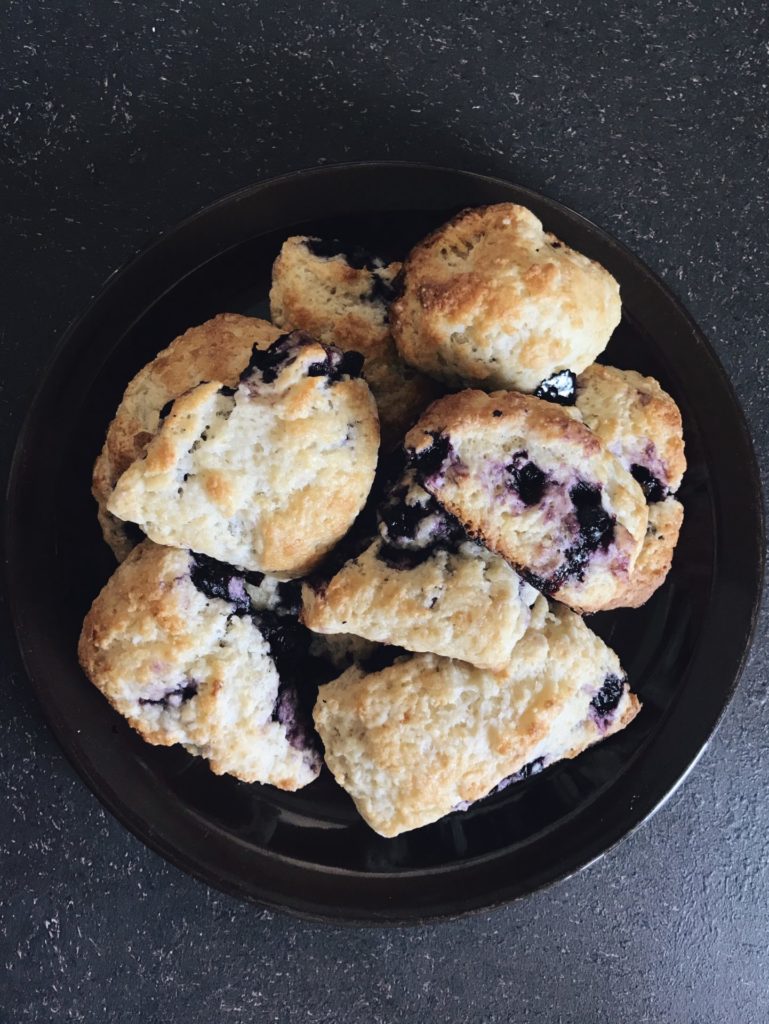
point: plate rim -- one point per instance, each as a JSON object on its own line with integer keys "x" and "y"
{"x": 78, "y": 758}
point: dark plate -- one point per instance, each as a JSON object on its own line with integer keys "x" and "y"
{"x": 309, "y": 852}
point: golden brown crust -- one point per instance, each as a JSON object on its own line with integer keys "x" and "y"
{"x": 331, "y": 300}
{"x": 492, "y": 300}
{"x": 487, "y": 432}
{"x": 218, "y": 349}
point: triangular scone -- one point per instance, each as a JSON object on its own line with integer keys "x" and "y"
{"x": 427, "y": 735}
{"x": 268, "y": 476}
{"x": 218, "y": 349}
{"x": 534, "y": 484}
{"x": 640, "y": 424}
{"x": 425, "y": 587}
{"x": 340, "y": 294}
{"x": 193, "y": 652}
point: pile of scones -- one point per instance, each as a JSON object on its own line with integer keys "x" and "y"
{"x": 365, "y": 534}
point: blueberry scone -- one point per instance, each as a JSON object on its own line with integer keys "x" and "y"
{"x": 535, "y": 485}
{"x": 641, "y": 424}
{"x": 192, "y": 652}
{"x": 424, "y": 586}
{"x": 267, "y": 476}
{"x": 219, "y": 349}
{"x": 340, "y": 294}
{"x": 427, "y": 735}
{"x": 492, "y": 300}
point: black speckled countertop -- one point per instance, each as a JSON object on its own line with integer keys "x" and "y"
{"x": 117, "y": 118}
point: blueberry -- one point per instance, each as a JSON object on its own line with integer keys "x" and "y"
{"x": 289, "y": 714}
{"x": 286, "y": 637}
{"x": 268, "y": 361}
{"x": 527, "y": 480}
{"x": 596, "y": 529}
{"x": 174, "y": 697}
{"x": 497, "y": 413}
{"x": 609, "y": 696}
{"x": 596, "y": 525}
{"x": 337, "y": 365}
{"x": 560, "y": 388}
{"x": 546, "y": 585}
{"x": 218, "y": 580}
{"x": 228, "y": 392}
{"x": 355, "y": 255}
{"x": 430, "y": 460}
{"x": 402, "y": 523}
{"x": 652, "y": 486}
{"x": 574, "y": 564}
{"x": 401, "y": 519}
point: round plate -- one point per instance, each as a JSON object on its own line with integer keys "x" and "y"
{"x": 309, "y": 852}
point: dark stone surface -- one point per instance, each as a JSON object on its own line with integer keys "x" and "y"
{"x": 119, "y": 118}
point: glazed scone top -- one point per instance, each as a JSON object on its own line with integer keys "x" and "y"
{"x": 637, "y": 421}
{"x": 340, "y": 295}
{"x": 268, "y": 476}
{"x": 491, "y": 299}
{"x": 533, "y": 483}
{"x": 218, "y": 349}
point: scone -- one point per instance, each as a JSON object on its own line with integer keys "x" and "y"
{"x": 428, "y": 735}
{"x": 638, "y": 422}
{"x": 192, "y": 652}
{"x": 492, "y": 300}
{"x": 340, "y": 294}
{"x": 219, "y": 349}
{"x": 268, "y": 476}
{"x": 653, "y": 564}
{"x": 535, "y": 485}
{"x": 641, "y": 424}
{"x": 424, "y": 586}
